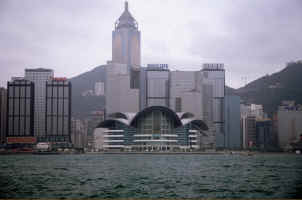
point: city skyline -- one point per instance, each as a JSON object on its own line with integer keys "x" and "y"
{"x": 74, "y": 38}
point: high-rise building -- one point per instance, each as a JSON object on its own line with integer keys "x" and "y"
{"x": 58, "y": 111}
{"x": 79, "y": 133}
{"x": 126, "y": 40}
{"x": 3, "y": 109}
{"x": 213, "y": 75}
{"x": 126, "y": 47}
{"x": 289, "y": 124}
{"x": 264, "y": 134}
{"x": 157, "y": 85}
{"x": 39, "y": 77}
{"x": 185, "y": 92}
{"x": 248, "y": 128}
{"x": 231, "y": 137}
{"x": 20, "y": 113}
{"x": 119, "y": 96}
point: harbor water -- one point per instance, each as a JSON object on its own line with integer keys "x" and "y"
{"x": 151, "y": 176}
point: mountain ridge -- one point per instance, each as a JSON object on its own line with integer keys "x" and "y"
{"x": 268, "y": 90}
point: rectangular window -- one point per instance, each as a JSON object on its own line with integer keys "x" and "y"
{"x": 178, "y": 104}
{"x": 156, "y": 122}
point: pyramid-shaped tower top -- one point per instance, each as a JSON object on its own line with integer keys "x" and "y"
{"x": 126, "y": 20}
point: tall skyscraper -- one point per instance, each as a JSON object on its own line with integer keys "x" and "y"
{"x": 39, "y": 77}
{"x": 123, "y": 73}
{"x": 119, "y": 95}
{"x": 126, "y": 40}
{"x": 214, "y": 79}
{"x": 232, "y": 137}
{"x": 20, "y": 113}
{"x": 3, "y": 109}
{"x": 58, "y": 111}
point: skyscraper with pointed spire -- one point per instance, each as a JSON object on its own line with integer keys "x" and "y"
{"x": 126, "y": 41}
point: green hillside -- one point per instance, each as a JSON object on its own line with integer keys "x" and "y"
{"x": 270, "y": 90}
{"x": 83, "y": 105}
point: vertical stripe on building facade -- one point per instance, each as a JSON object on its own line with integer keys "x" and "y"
{"x": 20, "y": 108}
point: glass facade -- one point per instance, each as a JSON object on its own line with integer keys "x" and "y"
{"x": 155, "y": 128}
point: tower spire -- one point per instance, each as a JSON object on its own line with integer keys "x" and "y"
{"x": 126, "y": 5}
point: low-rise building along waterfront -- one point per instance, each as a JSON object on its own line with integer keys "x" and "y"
{"x": 155, "y": 128}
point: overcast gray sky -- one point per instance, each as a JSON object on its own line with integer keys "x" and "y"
{"x": 251, "y": 37}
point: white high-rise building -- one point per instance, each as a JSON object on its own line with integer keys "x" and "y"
{"x": 119, "y": 96}
{"x": 39, "y": 77}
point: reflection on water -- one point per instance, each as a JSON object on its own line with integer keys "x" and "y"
{"x": 152, "y": 176}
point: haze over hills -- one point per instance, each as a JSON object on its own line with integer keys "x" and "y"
{"x": 268, "y": 90}
{"x": 271, "y": 90}
{"x": 83, "y": 105}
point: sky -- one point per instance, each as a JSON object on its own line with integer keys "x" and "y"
{"x": 252, "y": 38}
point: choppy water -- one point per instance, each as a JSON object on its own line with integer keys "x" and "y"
{"x": 150, "y": 176}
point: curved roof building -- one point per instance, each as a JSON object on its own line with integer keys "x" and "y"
{"x": 153, "y": 128}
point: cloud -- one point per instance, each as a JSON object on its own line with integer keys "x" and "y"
{"x": 252, "y": 37}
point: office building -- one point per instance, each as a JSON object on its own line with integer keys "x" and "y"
{"x": 257, "y": 111}
{"x": 157, "y": 85}
{"x": 231, "y": 137}
{"x": 39, "y": 77}
{"x": 123, "y": 72}
{"x": 20, "y": 111}
{"x": 57, "y": 111}
{"x": 248, "y": 127}
{"x": 119, "y": 96}
{"x": 289, "y": 124}
{"x": 95, "y": 118}
{"x": 3, "y": 109}
{"x": 78, "y": 133}
{"x": 185, "y": 92}
{"x": 264, "y": 134}
{"x": 126, "y": 40}
{"x": 214, "y": 77}
{"x": 213, "y": 86}
{"x": 126, "y": 48}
